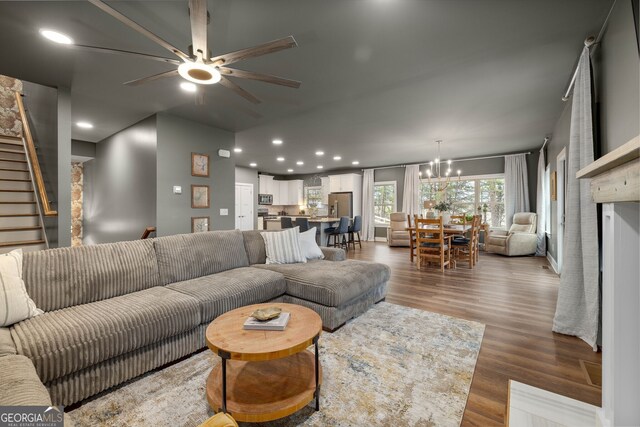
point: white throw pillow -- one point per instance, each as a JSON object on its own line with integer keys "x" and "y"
{"x": 15, "y": 304}
{"x": 283, "y": 247}
{"x": 308, "y": 245}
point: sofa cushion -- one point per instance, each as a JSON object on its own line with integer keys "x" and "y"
{"x": 6, "y": 342}
{"x": 64, "y": 277}
{"x": 254, "y": 245}
{"x": 221, "y": 292}
{"x": 331, "y": 283}
{"x": 19, "y": 383}
{"x": 187, "y": 256}
{"x": 67, "y": 340}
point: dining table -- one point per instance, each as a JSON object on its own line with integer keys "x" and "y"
{"x": 448, "y": 230}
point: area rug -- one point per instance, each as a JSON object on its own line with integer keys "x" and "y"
{"x": 392, "y": 366}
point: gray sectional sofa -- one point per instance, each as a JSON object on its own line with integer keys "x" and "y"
{"x": 115, "y": 311}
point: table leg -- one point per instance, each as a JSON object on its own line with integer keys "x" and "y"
{"x": 224, "y": 355}
{"x": 317, "y": 393}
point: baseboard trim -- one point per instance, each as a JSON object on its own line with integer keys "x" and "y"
{"x": 380, "y": 239}
{"x": 532, "y": 406}
{"x": 552, "y": 262}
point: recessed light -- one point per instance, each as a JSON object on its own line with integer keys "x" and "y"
{"x": 199, "y": 73}
{"x": 319, "y": 166}
{"x": 280, "y": 159}
{"x": 188, "y": 86}
{"x": 355, "y": 162}
{"x": 337, "y": 158}
{"x": 277, "y": 142}
{"x": 55, "y": 36}
{"x": 237, "y": 150}
{"x": 253, "y": 165}
{"x": 319, "y": 153}
{"x": 299, "y": 163}
{"x": 289, "y": 170}
{"x": 84, "y": 125}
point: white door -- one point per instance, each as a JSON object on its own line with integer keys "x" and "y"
{"x": 561, "y": 162}
{"x": 244, "y": 206}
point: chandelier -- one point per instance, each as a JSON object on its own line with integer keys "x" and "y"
{"x": 439, "y": 172}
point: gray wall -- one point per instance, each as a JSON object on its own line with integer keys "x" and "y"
{"x": 617, "y": 67}
{"x": 120, "y": 185}
{"x": 64, "y": 167}
{"x": 616, "y": 64}
{"x": 250, "y": 176}
{"x": 177, "y": 139}
{"x": 83, "y": 149}
{"x": 390, "y": 174}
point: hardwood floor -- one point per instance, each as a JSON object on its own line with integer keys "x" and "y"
{"x": 515, "y": 298}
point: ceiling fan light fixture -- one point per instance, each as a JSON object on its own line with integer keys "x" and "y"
{"x": 196, "y": 72}
{"x": 55, "y": 36}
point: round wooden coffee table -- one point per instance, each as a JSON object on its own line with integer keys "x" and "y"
{"x": 264, "y": 375}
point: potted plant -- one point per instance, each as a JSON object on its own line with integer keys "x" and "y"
{"x": 485, "y": 209}
{"x": 444, "y": 208}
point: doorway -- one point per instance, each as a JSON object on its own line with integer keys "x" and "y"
{"x": 244, "y": 206}
{"x": 561, "y": 162}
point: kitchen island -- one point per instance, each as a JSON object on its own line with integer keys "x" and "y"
{"x": 321, "y": 223}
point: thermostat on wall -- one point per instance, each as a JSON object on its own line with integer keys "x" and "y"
{"x": 177, "y": 189}
{"x": 224, "y": 153}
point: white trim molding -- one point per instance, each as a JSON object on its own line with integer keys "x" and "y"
{"x": 552, "y": 262}
{"x": 531, "y": 406}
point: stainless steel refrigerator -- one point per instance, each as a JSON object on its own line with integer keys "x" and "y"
{"x": 340, "y": 204}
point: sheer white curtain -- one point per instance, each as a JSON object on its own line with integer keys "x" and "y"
{"x": 516, "y": 186}
{"x": 578, "y": 307}
{"x": 368, "y": 220}
{"x": 541, "y": 203}
{"x": 411, "y": 193}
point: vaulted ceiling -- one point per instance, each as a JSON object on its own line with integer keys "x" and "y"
{"x": 381, "y": 79}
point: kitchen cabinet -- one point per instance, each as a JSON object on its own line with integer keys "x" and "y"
{"x": 326, "y": 189}
{"x": 296, "y": 192}
{"x": 345, "y": 182}
{"x": 284, "y": 192}
{"x": 266, "y": 184}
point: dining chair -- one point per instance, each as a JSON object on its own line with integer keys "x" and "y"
{"x": 431, "y": 243}
{"x": 285, "y": 222}
{"x": 465, "y": 248}
{"x": 339, "y": 233}
{"x": 354, "y": 231}
{"x": 412, "y": 236}
{"x": 303, "y": 223}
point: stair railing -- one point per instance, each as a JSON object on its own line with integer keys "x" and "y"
{"x": 32, "y": 158}
{"x": 147, "y": 232}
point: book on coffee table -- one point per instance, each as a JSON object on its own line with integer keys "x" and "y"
{"x": 277, "y": 324}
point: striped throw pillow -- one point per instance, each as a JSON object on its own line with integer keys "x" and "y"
{"x": 283, "y": 247}
{"x": 15, "y": 304}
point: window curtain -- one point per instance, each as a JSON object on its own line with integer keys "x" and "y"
{"x": 541, "y": 202}
{"x": 516, "y": 186}
{"x": 368, "y": 220}
{"x": 411, "y": 193}
{"x": 577, "y": 309}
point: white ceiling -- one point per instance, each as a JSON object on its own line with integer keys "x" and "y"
{"x": 381, "y": 79}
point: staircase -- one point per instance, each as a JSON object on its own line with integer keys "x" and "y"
{"x": 20, "y": 223}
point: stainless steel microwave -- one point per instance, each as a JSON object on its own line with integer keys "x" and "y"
{"x": 265, "y": 199}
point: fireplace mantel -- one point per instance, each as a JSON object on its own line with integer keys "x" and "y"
{"x": 615, "y": 177}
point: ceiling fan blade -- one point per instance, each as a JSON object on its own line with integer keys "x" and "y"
{"x": 237, "y": 89}
{"x": 137, "y": 82}
{"x": 139, "y": 28}
{"x": 199, "y": 20}
{"x": 267, "y": 78}
{"x": 125, "y": 52}
{"x": 263, "y": 49}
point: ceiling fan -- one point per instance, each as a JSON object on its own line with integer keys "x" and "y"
{"x": 198, "y": 66}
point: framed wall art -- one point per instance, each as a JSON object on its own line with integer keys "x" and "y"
{"x": 553, "y": 186}
{"x": 200, "y": 165}
{"x": 199, "y": 224}
{"x": 200, "y": 196}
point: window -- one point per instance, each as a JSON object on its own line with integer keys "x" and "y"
{"x": 469, "y": 195}
{"x": 384, "y": 202}
{"x": 547, "y": 199}
{"x": 313, "y": 196}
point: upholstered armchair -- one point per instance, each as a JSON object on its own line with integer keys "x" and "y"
{"x": 397, "y": 234}
{"x": 521, "y": 239}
